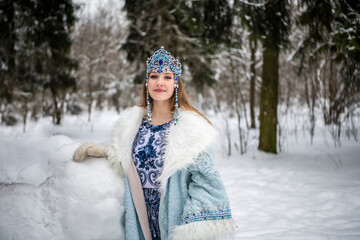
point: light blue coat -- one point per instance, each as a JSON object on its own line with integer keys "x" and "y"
{"x": 194, "y": 203}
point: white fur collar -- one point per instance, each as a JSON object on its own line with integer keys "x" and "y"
{"x": 191, "y": 135}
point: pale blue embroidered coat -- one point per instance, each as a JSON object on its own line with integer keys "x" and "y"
{"x": 194, "y": 203}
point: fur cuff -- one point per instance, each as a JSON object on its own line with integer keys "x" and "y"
{"x": 208, "y": 229}
{"x": 112, "y": 158}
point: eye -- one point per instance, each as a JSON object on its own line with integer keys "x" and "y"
{"x": 168, "y": 77}
{"x": 153, "y": 76}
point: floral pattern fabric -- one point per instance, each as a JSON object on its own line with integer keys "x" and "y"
{"x": 147, "y": 153}
{"x": 152, "y": 202}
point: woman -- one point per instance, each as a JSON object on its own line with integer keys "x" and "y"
{"x": 162, "y": 149}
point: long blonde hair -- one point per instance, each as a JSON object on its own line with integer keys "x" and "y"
{"x": 183, "y": 100}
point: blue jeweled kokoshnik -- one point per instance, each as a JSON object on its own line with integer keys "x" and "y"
{"x": 162, "y": 61}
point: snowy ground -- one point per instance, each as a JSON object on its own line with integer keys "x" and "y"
{"x": 306, "y": 192}
{"x": 301, "y": 194}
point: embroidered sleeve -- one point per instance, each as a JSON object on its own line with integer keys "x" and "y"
{"x": 207, "y": 212}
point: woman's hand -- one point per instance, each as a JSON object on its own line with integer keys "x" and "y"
{"x": 88, "y": 149}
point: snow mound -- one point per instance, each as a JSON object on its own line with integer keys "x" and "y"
{"x": 76, "y": 201}
{"x": 33, "y": 160}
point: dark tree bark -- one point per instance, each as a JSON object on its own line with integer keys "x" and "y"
{"x": 253, "y": 45}
{"x": 269, "y": 100}
{"x": 57, "y": 111}
{"x": 8, "y": 40}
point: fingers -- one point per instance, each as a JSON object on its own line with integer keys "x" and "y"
{"x": 96, "y": 151}
{"x": 80, "y": 153}
{"x": 89, "y": 149}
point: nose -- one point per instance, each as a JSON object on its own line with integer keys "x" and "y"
{"x": 160, "y": 81}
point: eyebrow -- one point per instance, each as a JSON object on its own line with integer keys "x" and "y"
{"x": 168, "y": 73}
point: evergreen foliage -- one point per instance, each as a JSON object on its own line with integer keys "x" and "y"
{"x": 7, "y": 49}
{"x": 36, "y": 44}
{"x": 269, "y": 23}
{"x": 214, "y": 39}
{"x": 332, "y": 29}
{"x": 191, "y": 29}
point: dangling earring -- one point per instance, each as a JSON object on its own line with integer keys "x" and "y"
{"x": 148, "y": 101}
{"x": 159, "y": 61}
{"x": 176, "y": 112}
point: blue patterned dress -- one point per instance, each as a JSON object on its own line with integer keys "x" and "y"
{"x": 147, "y": 153}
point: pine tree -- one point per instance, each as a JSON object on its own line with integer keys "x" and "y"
{"x": 332, "y": 30}
{"x": 251, "y": 16}
{"x": 7, "y": 49}
{"x": 57, "y": 18}
{"x": 190, "y": 29}
{"x": 268, "y": 22}
{"x": 40, "y": 30}
{"x": 276, "y": 28}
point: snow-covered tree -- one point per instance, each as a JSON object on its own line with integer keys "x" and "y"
{"x": 104, "y": 75}
{"x": 36, "y": 44}
{"x": 330, "y": 51}
{"x": 192, "y": 31}
{"x": 268, "y": 22}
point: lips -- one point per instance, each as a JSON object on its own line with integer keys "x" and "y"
{"x": 159, "y": 90}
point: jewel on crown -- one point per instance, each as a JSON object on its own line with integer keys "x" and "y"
{"x": 161, "y": 61}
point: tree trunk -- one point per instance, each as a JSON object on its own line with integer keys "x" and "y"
{"x": 332, "y": 103}
{"x": 228, "y": 135}
{"x": 237, "y": 94}
{"x": 310, "y": 97}
{"x": 242, "y": 151}
{"x": 25, "y": 111}
{"x": 11, "y": 67}
{"x": 269, "y": 100}
{"x": 252, "y": 82}
{"x": 89, "y": 94}
{"x": 57, "y": 110}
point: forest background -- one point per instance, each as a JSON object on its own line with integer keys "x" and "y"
{"x": 261, "y": 62}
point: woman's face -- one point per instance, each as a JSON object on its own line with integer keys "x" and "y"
{"x": 161, "y": 85}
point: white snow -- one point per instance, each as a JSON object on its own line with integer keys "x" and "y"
{"x": 306, "y": 192}
{"x": 300, "y": 194}
{"x": 45, "y": 195}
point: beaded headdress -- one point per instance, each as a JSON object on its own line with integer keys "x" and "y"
{"x": 162, "y": 61}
